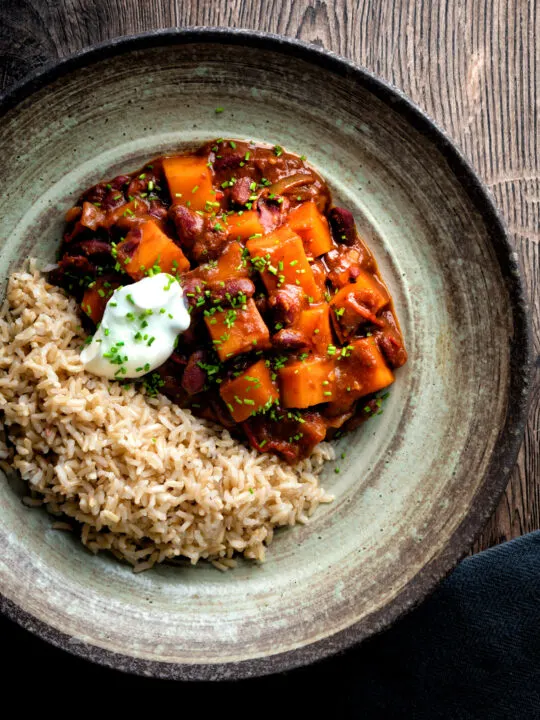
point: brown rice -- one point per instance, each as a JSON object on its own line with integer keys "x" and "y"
{"x": 146, "y": 479}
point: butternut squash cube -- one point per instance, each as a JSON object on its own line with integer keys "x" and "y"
{"x": 235, "y": 331}
{"x": 312, "y": 226}
{"x": 97, "y": 296}
{"x": 249, "y": 392}
{"x": 280, "y": 258}
{"x": 150, "y": 249}
{"x": 243, "y": 226}
{"x": 306, "y": 383}
{"x": 190, "y": 181}
{"x": 367, "y": 367}
{"x": 230, "y": 264}
{"x": 314, "y": 324}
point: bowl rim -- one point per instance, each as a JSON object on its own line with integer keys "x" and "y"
{"x": 510, "y": 438}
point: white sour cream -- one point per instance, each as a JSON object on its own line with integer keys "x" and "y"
{"x": 139, "y": 328}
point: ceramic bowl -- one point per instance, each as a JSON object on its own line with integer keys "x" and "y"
{"x": 417, "y": 482}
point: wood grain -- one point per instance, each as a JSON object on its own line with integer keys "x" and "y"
{"x": 473, "y": 65}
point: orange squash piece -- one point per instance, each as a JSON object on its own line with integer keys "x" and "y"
{"x": 258, "y": 247}
{"x": 304, "y": 383}
{"x": 97, "y": 296}
{"x": 314, "y": 324}
{"x": 231, "y": 264}
{"x": 249, "y": 392}
{"x": 283, "y": 261}
{"x": 236, "y": 331}
{"x": 154, "y": 248}
{"x": 243, "y": 226}
{"x": 190, "y": 181}
{"x": 312, "y": 226}
{"x": 365, "y": 370}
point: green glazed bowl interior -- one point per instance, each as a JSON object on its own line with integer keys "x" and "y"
{"x": 417, "y": 482}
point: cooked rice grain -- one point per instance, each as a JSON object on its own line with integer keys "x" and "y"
{"x": 146, "y": 479}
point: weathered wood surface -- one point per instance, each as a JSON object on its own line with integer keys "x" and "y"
{"x": 473, "y": 65}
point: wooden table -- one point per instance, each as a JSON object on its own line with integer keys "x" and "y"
{"x": 473, "y": 65}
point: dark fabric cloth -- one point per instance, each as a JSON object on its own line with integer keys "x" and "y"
{"x": 469, "y": 652}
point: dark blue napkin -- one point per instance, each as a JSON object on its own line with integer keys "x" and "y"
{"x": 469, "y": 652}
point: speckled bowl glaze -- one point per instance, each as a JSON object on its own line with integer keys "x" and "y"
{"x": 417, "y": 482}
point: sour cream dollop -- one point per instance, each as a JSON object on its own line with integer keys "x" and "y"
{"x": 139, "y": 328}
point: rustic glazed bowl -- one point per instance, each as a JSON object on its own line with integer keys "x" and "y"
{"x": 417, "y": 482}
